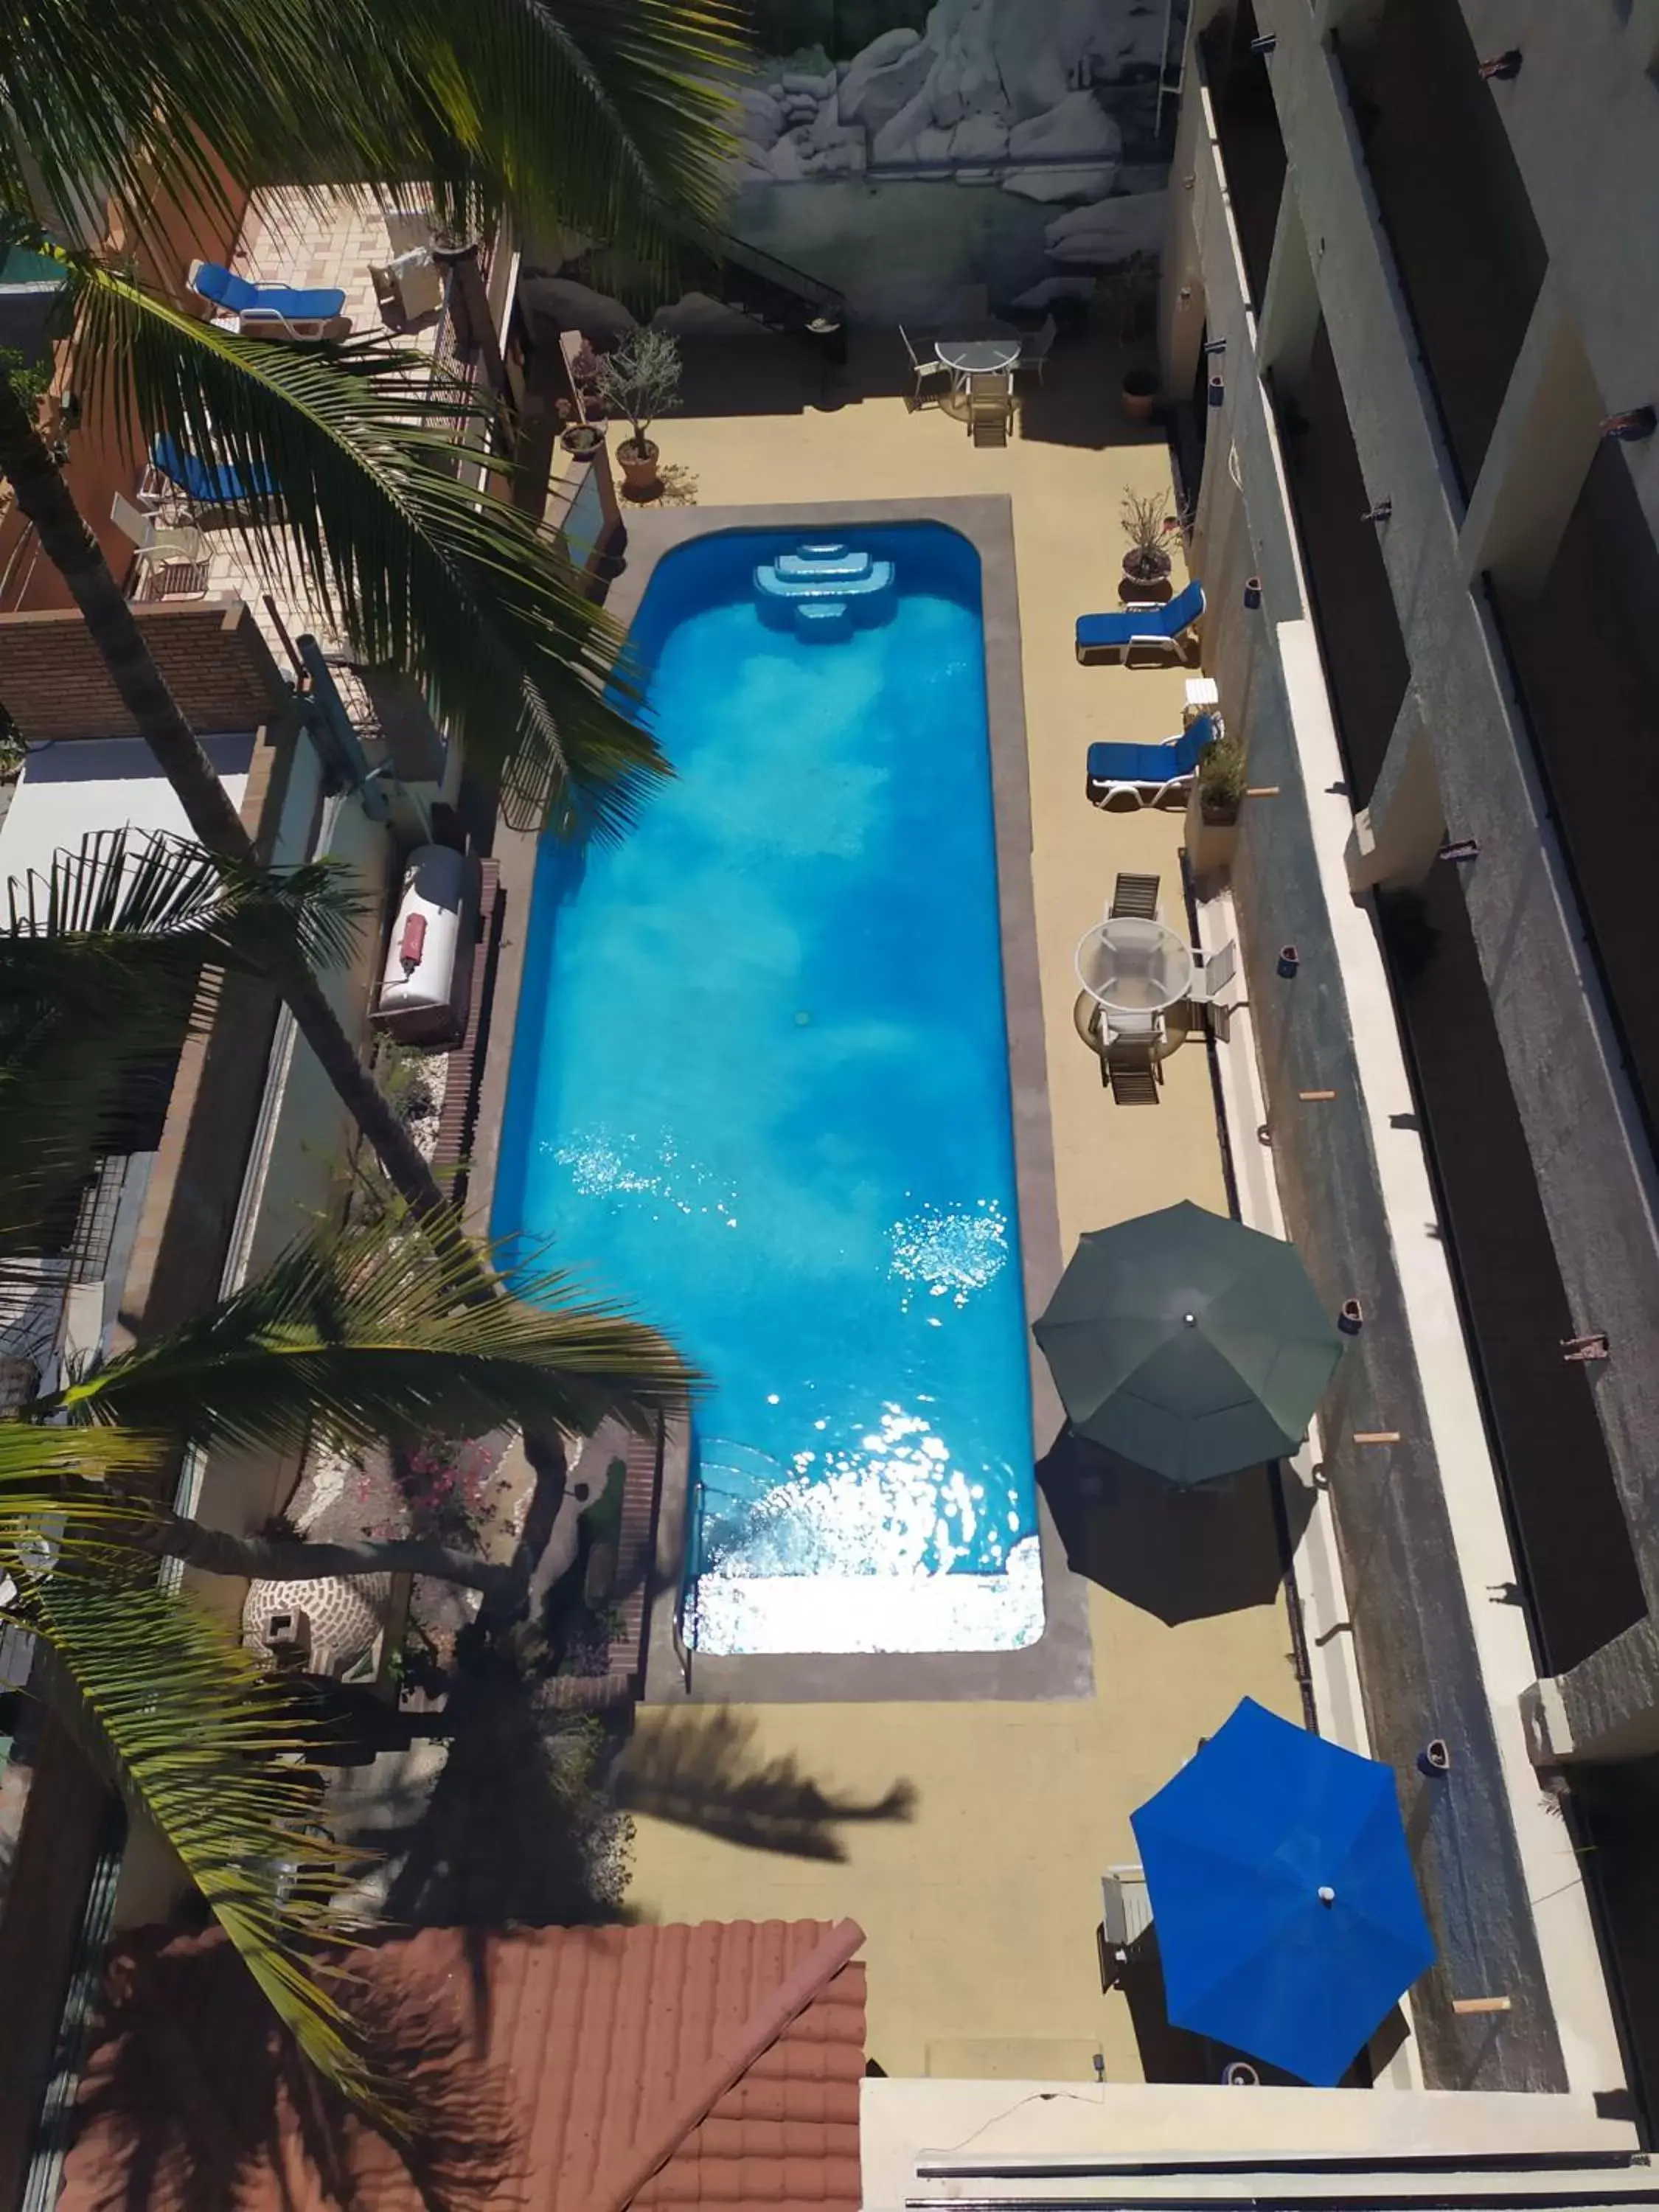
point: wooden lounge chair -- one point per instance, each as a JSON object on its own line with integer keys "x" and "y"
{"x": 1132, "y": 1069}
{"x": 990, "y": 407}
{"x": 1134, "y": 897}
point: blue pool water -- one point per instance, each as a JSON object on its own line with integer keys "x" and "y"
{"x": 760, "y": 1090}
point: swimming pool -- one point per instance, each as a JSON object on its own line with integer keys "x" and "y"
{"x": 760, "y": 1088}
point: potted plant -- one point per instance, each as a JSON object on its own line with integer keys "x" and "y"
{"x": 583, "y": 439}
{"x": 641, "y": 380}
{"x": 1146, "y": 525}
{"x": 1140, "y": 393}
{"x": 1212, "y": 809}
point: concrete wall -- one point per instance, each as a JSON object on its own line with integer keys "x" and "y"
{"x": 1596, "y": 1173}
{"x": 1419, "y": 1518}
{"x": 907, "y": 2127}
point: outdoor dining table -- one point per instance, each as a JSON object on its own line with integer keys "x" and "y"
{"x": 988, "y": 348}
{"x": 1130, "y": 966}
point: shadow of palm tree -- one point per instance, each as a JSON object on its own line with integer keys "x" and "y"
{"x": 194, "y": 2096}
{"x": 698, "y": 1769}
{"x": 515, "y": 1830}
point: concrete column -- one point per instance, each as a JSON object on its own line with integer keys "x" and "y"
{"x": 1541, "y": 447}
{"x": 1289, "y": 306}
{"x": 1605, "y": 1708}
{"x": 1180, "y": 293}
{"x": 1642, "y": 33}
{"x": 1396, "y": 839}
{"x": 1356, "y": 23}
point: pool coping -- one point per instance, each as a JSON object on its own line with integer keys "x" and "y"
{"x": 1060, "y": 1664}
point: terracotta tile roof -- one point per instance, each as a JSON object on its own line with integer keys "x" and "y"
{"x": 563, "y": 2069}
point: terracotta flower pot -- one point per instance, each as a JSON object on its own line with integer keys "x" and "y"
{"x": 1139, "y": 394}
{"x": 639, "y": 467}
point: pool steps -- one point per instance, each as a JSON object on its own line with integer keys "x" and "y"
{"x": 824, "y": 589}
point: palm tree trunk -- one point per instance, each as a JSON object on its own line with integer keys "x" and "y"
{"x": 262, "y": 1559}
{"x": 70, "y": 547}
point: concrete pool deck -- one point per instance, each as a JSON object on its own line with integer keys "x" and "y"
{"x": 978, "y": 1886}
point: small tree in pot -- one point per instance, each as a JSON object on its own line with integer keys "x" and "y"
{"x": 641, "y": 380}
{"x": 1146, "y": 525}
{"x": 1221, "y": 780}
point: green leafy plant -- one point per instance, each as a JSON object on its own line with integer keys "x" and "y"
{"x": 1221, "y": 773}
{"x": 375, "y": 1333}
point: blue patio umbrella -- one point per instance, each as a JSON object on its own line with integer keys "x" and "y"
{"x": 1287, "y": 1914}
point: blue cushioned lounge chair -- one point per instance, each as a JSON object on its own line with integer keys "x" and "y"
{"x": 1122, "y": 777}
{"x": 1161, "y": 628}
{"x": 279, "y": 303}
{"x": 205, "y": 483}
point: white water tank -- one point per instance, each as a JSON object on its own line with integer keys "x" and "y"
{"x": 427, "y": 963}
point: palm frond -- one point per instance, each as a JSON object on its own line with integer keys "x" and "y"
{"x": 199, "y": 97}
{"x": 40, "y": 1466}
{"x": 223, "y": 1763}
{"x": 608, "y": 117}
{"x": 102, "y": 959}
{"x": 379, "y": 1332}
{"x": 363, "y": 498}
{"x": 143, "y": 902}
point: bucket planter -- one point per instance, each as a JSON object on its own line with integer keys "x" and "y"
{"x": 1139, "y": 394}
{"x": 1212, "y": 834}
{"x": 1212, "y": 808}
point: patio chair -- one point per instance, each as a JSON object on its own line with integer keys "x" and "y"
{"x": 1213, "y": 972}
{"x": 1125, "y": 1915}
{"x": 1134, "y": 897}
{"x": 155, "y": 543}
{"x": 408, "y": 287}
{"x": 1034, "y": 351}
{"x": 990, "y": 407}
{"x": 1162, "y": 628}
{"x": 206, "y": 483}
{"x": 278, "y": 311}
{"x": 1120, "y": 778}
{"x": 923, "y": 365}
{"x": 1133, "y": 1070}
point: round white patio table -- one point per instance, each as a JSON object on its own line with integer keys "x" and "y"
{"x": 981, "y": 352}
{"x": 1133, "y": 967}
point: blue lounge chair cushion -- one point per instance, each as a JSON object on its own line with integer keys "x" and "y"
{"x": 1160, "y": 764}
{"x": 1096, "y": 632}
{"x": 240, "y": 297}
{"x": 204, "y": 482}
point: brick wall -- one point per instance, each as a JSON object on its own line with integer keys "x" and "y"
{"x": 53, "y": 683}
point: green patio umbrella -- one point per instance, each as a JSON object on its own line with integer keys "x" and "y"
{"x": 1189, "y": 1343}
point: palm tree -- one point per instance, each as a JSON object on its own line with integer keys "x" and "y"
{"x": 366, "y": 1333}
{"x": 600, "y": 115}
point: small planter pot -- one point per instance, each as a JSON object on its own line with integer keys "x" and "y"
{"x": 638, "y": 468}
{"x": 582, "y": 441}
{"x": 1139, "y": 394}
{"x": 1211, "y": 839}
{"x": 1145, "y": 576}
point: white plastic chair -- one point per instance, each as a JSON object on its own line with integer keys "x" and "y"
{"x": 153, "y": 540}
{"x": 922, "y": 365}
{"x": 1211, "y": 973}
{"x": 1126, "y": 1909}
